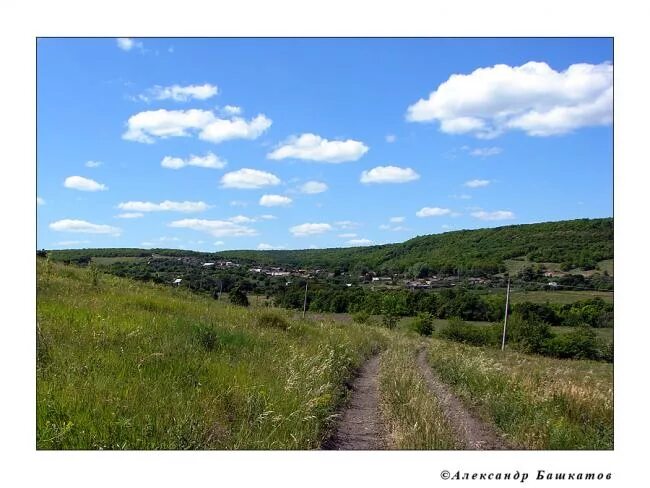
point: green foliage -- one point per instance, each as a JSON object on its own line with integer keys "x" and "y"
{"x": 459, "y": 331}
{"x": 528, "y": 335}
{"x": 580, "y": 343}
{"x": 390, "y": 310}
{"x": 238, "y": 297}
{"x": 274, "y": 320}
{"x": 361, "y": 317}
{"x": 423, "y": 324}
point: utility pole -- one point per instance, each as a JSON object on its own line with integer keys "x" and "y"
{"x": 505, "y": 317}
{"x": 220, "y": 288}
{"x": 304, "y": 305}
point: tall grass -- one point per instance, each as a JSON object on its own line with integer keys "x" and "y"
{"x": 125, "y": 365}
{"x": 541, "y": 403}
{"x": 413, "y": 416}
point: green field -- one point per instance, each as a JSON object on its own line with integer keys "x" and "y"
{"x": 130, "y": 365}
{"x": 561, "y": 297}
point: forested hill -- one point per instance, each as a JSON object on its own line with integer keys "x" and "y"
{"x": 576, "y": 243}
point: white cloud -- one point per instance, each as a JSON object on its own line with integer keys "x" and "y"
{"x": 247, "y": 178}
{"x": 232, "y": 110}
{"x": 238, "y": 203}
{"x": 216, "y": 228}
{"x": 496, "y": 215}
{"x": 392, "y": 228}
{"x": 532, "y": 97}
{"x": 70, "y": 243}
{"x": 389, "y": 174}
{"x": 485, "y": 151}
{"x": 126, "y": 43}
{"x": 40, "y": 201}
{"x": 309, "y": 229}
{"x": 432, "y": 212}
{"x": 83, "y": 184}
{"x": 93, "y": 164}
{"x": 348, "y": 235}
{"x": 312, "y": 147}
{"x": 241, "y": 219}
{"x": 390, "y": 138}
{"x": 210, "y": 160}
{"x": 396, "y": 220}
{"x": 84, "y": 227}
{"x": 346, "y": 224}
{"x": 166, "y": 206}
{"x": 148, "y": 125}
{"x": 476, "y": 183}
{"x": 130, "y": 215}
{"x": 263, "y": 246}
{"x": 268, "y": 217}
{"x": 359, "y": 242}
{"x": 180, "y": 93}
{"x": 219, "y": 243}
{"x": 312, "y": 187}
{"x": 275, "y": 201}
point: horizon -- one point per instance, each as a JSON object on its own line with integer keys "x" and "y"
{"x": 298, "y": 144}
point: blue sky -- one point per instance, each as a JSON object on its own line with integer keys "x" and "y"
{"x": 142, "y": 142}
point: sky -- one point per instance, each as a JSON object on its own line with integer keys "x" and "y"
{"x": 217, "y": 144}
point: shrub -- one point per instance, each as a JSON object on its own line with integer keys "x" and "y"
{"x": 207, "y": 336}
{"x": 459, "y": 331}
{"x": 273, "y": 320}
{"x": 581, "y": 343}
{"x": 361, "y": 317}
{"x": 238, "y": 297}
{"x": 423, "y": 324}
{"x": 528, "y": 335}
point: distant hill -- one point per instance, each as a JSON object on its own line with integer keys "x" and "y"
{"x": 575, "y": 243}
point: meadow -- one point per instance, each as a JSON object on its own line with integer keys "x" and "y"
{"x": 125, "y": 365}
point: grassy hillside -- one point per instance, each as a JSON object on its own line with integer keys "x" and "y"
{"x": 126, "y": 365}
{"x": 575, "y": 243}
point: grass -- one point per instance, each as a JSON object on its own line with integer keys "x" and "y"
{"x": 126, "y": 365}
{"x": 540, "y": 403}
{"x": 100, "y": 260}
{"x": 412, "y": 415}
{"x": 561, "y": 297}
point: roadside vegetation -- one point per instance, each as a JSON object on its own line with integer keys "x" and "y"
{"x": 539, "y": 403}
{"x": 127, "y": 365}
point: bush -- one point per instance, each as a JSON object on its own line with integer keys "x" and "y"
{"x": 238, "y": 297}
{"x": 361, "y": 317}
{"x": 528, "y": 335}
{"x": 459, "y": 331}
{"x": 207, "y": 336}
{"x": 423, "y": 324}
{"x": 273, "y": 320}
{"x": 581, "y": 343}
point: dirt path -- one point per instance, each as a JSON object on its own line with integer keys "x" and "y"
{"x": 473, "y": 433}
{"x": 359, "y": 425}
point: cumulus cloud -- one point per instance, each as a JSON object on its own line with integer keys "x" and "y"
{"x": 268, "y": 217}
{"x": 83, "y": 227}
{"x": 130, "y": 215}
{"x": 275, "y": 201}
{"x": 151, "y": 124}
{"x": 312, "y": 187}
{"x": 126, "y": 43}
{"x": 210, "y": 160}
{"x": 359, "y": 242}
{"x": 476, "y": 183}
{"x": 165, "y": 206}
{"x": 346, "y": 224}
{"x": 180, "y": 93}
{"x": 485, "y": 152}
{"x": 216, "y": 228}
{"x": 83, "y": 184}
{"x": 390, "y": 138}
{"x": 247, "y": 178}
{"x": 40, "y": 201}
{"x": 219, "y": 243}
{"x": 533, "y": 98}
{"x": 396, "y": 220}
{"x": 496, "y": 215}
{"x": 348, "y": 235}
{"x": 93, "y": 164}
{"x": 241, "y": 219}
{"x": 312, "y": 147}
{"x": 232, "y": 110}
{"x": 309, "y": 229}
{"x": 389, "y": 174}
{"x": 263, "y": 246}
{"x": 432, "y": 212}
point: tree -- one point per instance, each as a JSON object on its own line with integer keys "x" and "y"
{"x": 238, "y": 297}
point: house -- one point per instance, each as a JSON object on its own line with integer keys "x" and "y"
{"x": 177, "y": 281}
{"x": 553, "y": 284}
{"x": 208, "y": 264}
